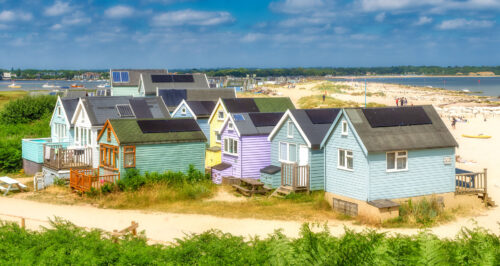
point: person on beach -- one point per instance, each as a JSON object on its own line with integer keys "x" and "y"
{"x": 324, "y": 96}
{"x": 453, "y": 122}
{"x": 397, "y": 100}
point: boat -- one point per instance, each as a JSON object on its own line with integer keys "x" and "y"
{"x": 76, "y": 86}
{"x": 14, "y": 86}
{"x": 103, "y": 86}
{"x": 48, "y": 86}
{"x": 480, "y": 136}
{"x": 466, "y": 90}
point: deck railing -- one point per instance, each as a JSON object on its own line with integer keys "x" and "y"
{"x": 56, "y": 156}
{"x": 84, "y": 180}
{"x": 471, "y": 183}
{"x": 294, "y": 175}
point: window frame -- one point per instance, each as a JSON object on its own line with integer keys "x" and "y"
{"x": 346, "y": 127}
{"x": 183, "y": 111}
{"x": 230, "y": 125}
{"x": 230, "y": 142}
{"x": 108, "y": 153}
{"x": 125, "y": 153}
{"x": 108, "y": 138}
{"x": 289, "y": 129}
{"x": 346, "y": 158}
{"x": 120, "y": 74}
{"x": 287, "y": 160}
{"x": 396, "y": 157}
{"x": 218, "y": 115}
{"x": 218, "y": 136}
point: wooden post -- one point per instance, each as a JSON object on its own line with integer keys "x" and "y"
{"x": 23, "y": 223}
{"x": 485, "y": 176}
{"x": 134, "y": 228}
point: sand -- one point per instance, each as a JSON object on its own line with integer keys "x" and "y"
{"x": 166, "y": 227}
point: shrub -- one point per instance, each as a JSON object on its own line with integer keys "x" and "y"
{"x": 59, "y": 182}
{"x": 27, "y": 109}
{"x": 107, "y": 188}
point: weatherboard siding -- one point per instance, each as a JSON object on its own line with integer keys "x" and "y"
{"x": 32, "y": 149}
{"x": 217, "y": 175}
{"x": 271, "y": 180}
{"x": 316, "y": 169}
{"x": 255, "y": 155}
{"x": 125, "y": 91}
{"x": 427, "y": 174}
{"x": 215, "y": 125}
{"x": 281, "y": 136}
{"x": 179, "y": 114}
{"x": 167, "y": 157}
{"x": 61, "y": 120}
{"x": 233, "y": 160}
{"x": 353, "y": 184}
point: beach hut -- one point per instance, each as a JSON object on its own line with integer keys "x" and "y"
{"x": 297, "y": 160}
{"x": 128, "y": 82}
{"x": 244, "y": 144}
{"x": 224, "y": 107}
{"x": 151, "y": 145}
{"x": 375, "y": 156}
{"x": 198, "y": 110}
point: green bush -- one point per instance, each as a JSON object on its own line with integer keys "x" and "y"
{"x": 27, "y": 109}
{"x": 67, "y": 244}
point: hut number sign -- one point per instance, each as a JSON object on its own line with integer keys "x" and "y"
{"x": 447, "y": 160}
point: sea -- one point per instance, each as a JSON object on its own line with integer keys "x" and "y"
{"x": 33, "y": 85}
{"x": 485, "y": 86}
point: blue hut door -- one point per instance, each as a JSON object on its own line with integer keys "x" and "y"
{"x": 303, "y": 174}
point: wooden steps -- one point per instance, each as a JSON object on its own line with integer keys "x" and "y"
{"x": 283, "y": 191}
{"x": 489, "y": 202}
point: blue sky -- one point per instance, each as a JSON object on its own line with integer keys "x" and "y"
{"x": 282, "y": 33}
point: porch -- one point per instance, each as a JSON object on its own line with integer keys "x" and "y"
{"x": 58, "y": 157}
{"x": 467, "y": 182}
{"x": 84, "y": 180}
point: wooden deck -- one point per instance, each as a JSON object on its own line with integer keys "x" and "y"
{"x": 295, "y": 177}
{"x": 84, "y": 180}
{"x": 59, "y": 158}
{"x": 473, "y": 183}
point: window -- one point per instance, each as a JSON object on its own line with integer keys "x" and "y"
{"x": 230, "y": 126}
{"x": 231, "y": 146}
{"x": 108, "y": 156}
{"x": 109, "y": 135}
{"x": 128, "y": 156}
{"x": 183, "y": 111}
{"x": 59, "y": 111}
{"x": 120, "y": 77}
{"x": 397, "y": 161}
{"x": 288, "y": 152}
{"x": 217, "y": 136}
{"x": 346, "y": 160}
{"x": 289, "y": 129}
{"x": 220, "y": 115}
{"x": 344, "y": 128}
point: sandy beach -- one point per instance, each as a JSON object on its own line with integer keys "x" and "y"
{"x": 476, "y": 154}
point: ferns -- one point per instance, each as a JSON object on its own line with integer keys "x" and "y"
{"x": 68, "y": 244}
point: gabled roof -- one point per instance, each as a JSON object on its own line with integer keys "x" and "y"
{"x": 313, "y": 124}
{"x": 100, "y": 109}
{"x": 154, "y": 82}
{"x": 252, "y": 124}
{"x": 202, "y": 109}
{"x": 69, "y": 105}
{"x": 173, "y": 97}
{"x": 389, "y": 138}
{"x": 134, "y": 76}
{"x": 128, "y": 131}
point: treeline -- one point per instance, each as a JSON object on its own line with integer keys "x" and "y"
{"x": 346, "y": 71}
{"x": 51, "y": 74}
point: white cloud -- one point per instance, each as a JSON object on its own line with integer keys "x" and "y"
{"x": 380, "y": 17}
{"x": 297, "y": 6}
{"x": 435, "y": 5}
{"x": 192, "y": 17}
{"x": 58, "y": 8}
{"x": 56, "y": 27}
{"x": 461, "y": 23}
{"x": 75, "y": 19}
{"x": 119, "y": 11}
{"x": 422, "y": 21}
{"x": 252, "y": 37}
{"x": 340, "y": 30}
{"x": 9, "y": 15}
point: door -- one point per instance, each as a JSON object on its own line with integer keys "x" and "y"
{"x": 303, "y": 171}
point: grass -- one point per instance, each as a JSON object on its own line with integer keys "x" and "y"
{"x": 332, "y": 87}
{"x": 316, "y": 101}
{"x": 369, "y": 94}
{"x": 66, "y": 244}
{"x": 421, "y": 213}
{"x": 7, "y": 96}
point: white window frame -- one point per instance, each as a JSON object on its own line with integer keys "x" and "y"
{"x": 346, "y": 156}
{"x": 219, "y": 115}
{"x": 287, "y": 152}
{"x": 345, "y": 128}
{"x": 230, "y": 125}
{"x": 217, "y": 133}
{"x": 230, "y": 142}
{"x": 183, "y": 111}
{"x": 396, "y": 157}
{"x": 121, "y": 81}
{"x": 289, "y": 129}
{"x": 59, "y": 111}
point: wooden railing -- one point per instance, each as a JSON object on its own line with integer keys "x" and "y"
{"x": 471, "y": 183}
{"x": 84, "y": 179}
{"x": 295, "y": 176}
{"x": 57, "y": 157}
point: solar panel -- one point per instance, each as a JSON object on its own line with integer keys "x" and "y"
{"x": 168, "y": 126}
{"x": 116, "y": 77}
{"x": 238, "y": 117}
{"x": 140, "y": 108}
{"x": 173, "y": 97}
{"x": 124, "y": 110}
{"x": 322, "y": 116}
{"x": 161, "y": 78}
{"x": 241, "y": 105}
{"x": 183, "y": 78}
{"x": 265, "y": 119}
{"x": 398, "y": 116}
{"x": 125, "y": 77}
